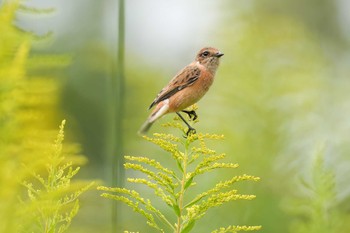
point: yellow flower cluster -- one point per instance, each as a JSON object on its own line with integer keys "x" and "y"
{"x": 193, "y": 158}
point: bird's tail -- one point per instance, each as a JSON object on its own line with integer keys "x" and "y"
{"x": 145, "y": 127}
{"x": 158, "y": 112}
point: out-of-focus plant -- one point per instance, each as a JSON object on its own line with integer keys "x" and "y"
{"x": 28, "y": 103}
{"x": 193, "y": 158}
{"x": 272, "y": 88}
{"x": 52, "y": 198}
{"x": 316, "y": 204}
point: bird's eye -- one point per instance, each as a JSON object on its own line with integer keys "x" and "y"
{"x": 205, "y": 54}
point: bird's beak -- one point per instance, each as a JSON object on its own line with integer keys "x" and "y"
{"x": 219, "y": 54}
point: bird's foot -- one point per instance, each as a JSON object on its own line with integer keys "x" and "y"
{"x": 190, "y": 130}
{"x": 191, "y": 114}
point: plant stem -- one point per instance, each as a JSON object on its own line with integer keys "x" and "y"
{"x": 116, "y": 109}
{"x": 182, "y": 191}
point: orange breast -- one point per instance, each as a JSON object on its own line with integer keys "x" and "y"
{"x": 191, "y": 94}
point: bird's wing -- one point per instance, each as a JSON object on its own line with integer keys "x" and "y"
{"x": 183, "y": 79}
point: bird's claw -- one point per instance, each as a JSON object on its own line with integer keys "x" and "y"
{"x": 191, "y": 114}
{"x": 190, "y": 131}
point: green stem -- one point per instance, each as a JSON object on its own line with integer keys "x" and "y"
{"x": 116, "y": 108}
{"x": 182, "y": 191}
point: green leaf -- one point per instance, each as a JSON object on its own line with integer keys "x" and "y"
{"x": 193, "y": 202}
{"x": 177, "y": 210}
{"x": 189, "y": 227}
{"x": 179, "y": 165}
{"x": 188, "y": 183}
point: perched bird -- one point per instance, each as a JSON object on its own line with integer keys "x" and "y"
{"x": 186, "y": 88}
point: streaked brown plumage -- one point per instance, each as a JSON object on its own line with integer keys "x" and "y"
{"x": 186, "y": 88}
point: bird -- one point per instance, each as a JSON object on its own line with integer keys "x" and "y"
{"x": 186, "y": 88}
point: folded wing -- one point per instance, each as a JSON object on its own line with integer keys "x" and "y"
{"x": 185, "y": 78}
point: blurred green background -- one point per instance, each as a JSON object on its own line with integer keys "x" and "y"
{"x": 282, "y": 92}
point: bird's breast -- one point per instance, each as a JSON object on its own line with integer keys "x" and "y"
{"x": 191, "y": 94}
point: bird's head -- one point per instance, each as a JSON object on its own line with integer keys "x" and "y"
{"x": 209, "y": 57}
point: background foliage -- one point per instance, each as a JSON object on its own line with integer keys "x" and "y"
{"x": 281, "y": 91}
{"x": 37, "y": 192}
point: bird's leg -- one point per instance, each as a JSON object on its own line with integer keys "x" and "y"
{"x": 190, "y": 128}
{"x": 192, "y": 114}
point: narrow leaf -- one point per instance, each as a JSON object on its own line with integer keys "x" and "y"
{"x": 176, "y": 210}
{"x": 189, "y": 227}
{"x": 188, "y": 183}
{"x": 179, "y": 165}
